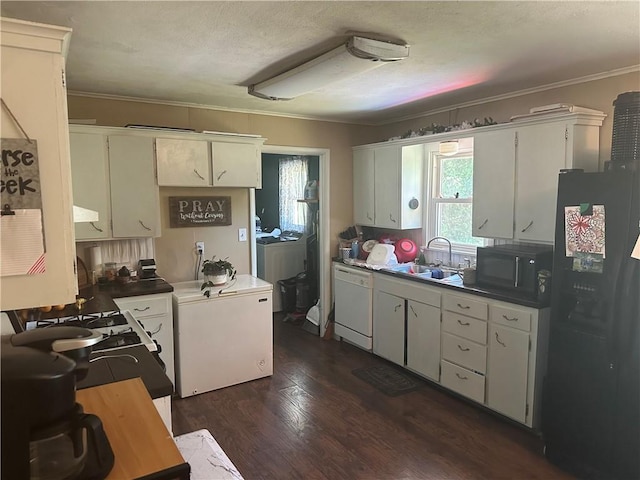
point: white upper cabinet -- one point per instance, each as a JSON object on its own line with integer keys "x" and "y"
{"x": 90, "y": 175}
{"x": 494, "y": 170}
{"x": 236, "y": 164}
{"x": 183, "y": 162}
{"x": 135, "y": 203}
{"x": 32, "y": 69}
{"x": 387, "y": 186}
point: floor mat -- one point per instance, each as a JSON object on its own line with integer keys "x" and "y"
{"x": 388, "y": 380}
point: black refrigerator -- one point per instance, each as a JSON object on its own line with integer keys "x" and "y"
{"x": 591, "y": 397}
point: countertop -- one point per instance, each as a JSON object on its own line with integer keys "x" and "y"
{"x": 130, "y": 289}
{"x": 119, "y": 365}
{"x": 457, "y": 286}
{"x": 242, "y": 284}
{"x": 141, "y": 443}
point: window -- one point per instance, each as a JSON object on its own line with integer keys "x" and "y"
{"x": 293, "y": 174}
{"x": 450, "y": 202}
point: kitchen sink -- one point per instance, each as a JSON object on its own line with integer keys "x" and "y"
{"x": 423, "y": 271}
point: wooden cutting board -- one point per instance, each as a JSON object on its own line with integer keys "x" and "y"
{"x": 83, "y": 274}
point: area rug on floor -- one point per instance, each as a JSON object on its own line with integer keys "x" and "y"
{"x": 388, "y": 380}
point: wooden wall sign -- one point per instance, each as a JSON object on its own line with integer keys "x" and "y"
{"x": 199, "y": 211}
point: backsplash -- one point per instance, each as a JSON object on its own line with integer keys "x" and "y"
{"x": 122, "y": 252}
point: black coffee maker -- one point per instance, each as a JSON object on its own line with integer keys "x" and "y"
{"x": 45, "y": 434}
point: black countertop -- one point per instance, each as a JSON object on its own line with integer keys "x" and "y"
{"x": 459, "y": 287}
{"x": 121, "y": 364}
{"x": 130, "y": 289}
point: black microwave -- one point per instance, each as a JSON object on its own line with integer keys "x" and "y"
{"x": 513, "y": 268}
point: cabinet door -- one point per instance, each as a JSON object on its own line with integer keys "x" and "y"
{"x": 423, "y": 339}
{"x": 90, "y": 175}
{"x": 387, "y": 187}
{"x": 236, "y": 165}
{"x": 388, "y": 327}
{"x": 508, "y": 371}
{"x": 540, "y": 154}
{"x": 33, "y": 87}
{"x": 135, "y": 200}
{"x": 183, "y": 163}
{"x": 494, "y": 155}
{"x": 363, "y": 187}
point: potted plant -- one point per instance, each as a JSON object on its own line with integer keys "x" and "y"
{"x": 216, "y": 272}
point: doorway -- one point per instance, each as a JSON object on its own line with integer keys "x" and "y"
{"x": 320, "y": 240}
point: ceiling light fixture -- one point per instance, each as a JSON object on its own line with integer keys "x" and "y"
{"x": 448, "y": 147}
{"x": 355, "y": 56}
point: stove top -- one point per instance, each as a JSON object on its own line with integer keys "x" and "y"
{"x": 119, "y": 329}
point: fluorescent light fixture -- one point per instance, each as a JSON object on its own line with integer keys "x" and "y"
{"x": 449, "y": 147}
{"x": 81, "y": 214}
{"x": 356, "y": 56}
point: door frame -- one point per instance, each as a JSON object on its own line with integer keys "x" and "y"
{"x": 323, "y": 228}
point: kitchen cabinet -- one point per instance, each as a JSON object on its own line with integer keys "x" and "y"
{"x": 494, "y": 154}
{"x": 90, "y": 173}
{"x": 395, "y": 201}
{"x": 542, "y": 151}
{"x": 516, "y": 171}
{"x": 33, "y": 88}
{"x": 398, "y": 303}
{"x": 516, "y": 361}
{"x": 155, "y": 313}
{"x": 236, "y": 164}
{"x": 135, "y": 201}
{"x": 183, "y": 162}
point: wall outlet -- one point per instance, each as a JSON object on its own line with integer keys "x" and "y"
{"x": 200, "y": 248}
{"x": 242, "y": 234}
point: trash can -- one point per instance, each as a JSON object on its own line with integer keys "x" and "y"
{"x": 288, "y": 294}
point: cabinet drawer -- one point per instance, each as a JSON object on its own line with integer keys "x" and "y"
{"x": 464, "y": 352}
{"x": 466, "y": 327}
{"x": 466, "y": 306}
{"x": 512, "y": 317}
{"x": 142, "y": 307}
{"x": 463, "y": 381}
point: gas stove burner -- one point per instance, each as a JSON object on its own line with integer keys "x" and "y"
{"x": 85, "y": 321}
{"x": 117, "y": 339}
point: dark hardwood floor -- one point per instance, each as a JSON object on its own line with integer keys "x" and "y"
{"x": 315, "y": 420}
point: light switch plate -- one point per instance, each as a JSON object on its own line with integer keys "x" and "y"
{"x": 242, "y": 234}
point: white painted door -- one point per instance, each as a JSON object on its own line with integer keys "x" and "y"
{"x": 90, "y": 175}
{"x": 236, "y": 165}
{"x": 423, "y": 339}
{"x": 388, "y": 327}
{"x": 183, "y": 162}
{"x": 494, "y": 159}
{"x": 135, "y": 203}
{"x": 507, "y": 373}
{"x": 363, "y": 187}
{"x": 387, "y": 187}
{"x": 540, "y": 154}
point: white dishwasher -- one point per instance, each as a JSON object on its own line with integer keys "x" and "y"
{"x": 353, "y": 296}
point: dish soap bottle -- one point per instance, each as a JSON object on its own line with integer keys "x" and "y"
{"x": 421, "y": 260}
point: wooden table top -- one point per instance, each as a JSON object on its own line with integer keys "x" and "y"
{"x": 140, "y": 441}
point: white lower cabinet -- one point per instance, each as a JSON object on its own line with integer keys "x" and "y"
{"x": 155, "y": 313}
{"x": 388, "y": 327}
{"x": 423, "y": 339}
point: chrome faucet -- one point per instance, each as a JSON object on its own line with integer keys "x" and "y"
{"x": 446, "y": 240}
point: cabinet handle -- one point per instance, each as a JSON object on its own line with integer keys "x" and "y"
{"x": 527, "y": 227}
{"x": 142, "y": 309}
{"x": 391, "y": 218}
{"x": 463, "y": 349}
{"x": 221, "y": 174}
{"x": 500, "y": 341}
{"x": 461, "y": 377}
{"x": 156, "y": 331}
{"x": 397, "y": 307}
{"x": 94, "y": 226}
{"x": 413, "y": 311}
{"x": 144, "y": 226}
{"x": 198, "y": 174}
{"x": 483, "y": 223}
{"x": 464, "y": 324}
{"x": 369, "y": 216}
{"x": 464, "y": 307}
{"x": 514, "y": 319}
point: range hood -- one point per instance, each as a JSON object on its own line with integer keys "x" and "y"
{"x": 81, "y": 214}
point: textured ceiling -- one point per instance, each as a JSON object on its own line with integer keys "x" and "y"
{"x": 206, "y": 53}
